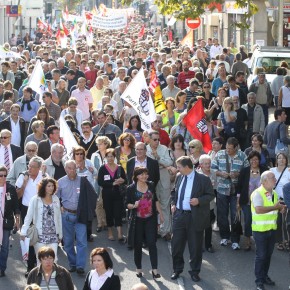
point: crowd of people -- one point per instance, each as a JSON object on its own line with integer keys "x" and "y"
{"x": 161, "y": 180}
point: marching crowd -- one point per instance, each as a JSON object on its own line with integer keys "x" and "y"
{"x": 160, "y": 180}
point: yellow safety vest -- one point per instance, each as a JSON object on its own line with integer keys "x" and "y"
{"x": 262, "y": 222}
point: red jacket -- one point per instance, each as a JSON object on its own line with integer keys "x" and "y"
{"x": 184, "y": 78}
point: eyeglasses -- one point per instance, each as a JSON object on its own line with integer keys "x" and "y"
{"x": 206, "y": 87}
{"x": 3, "y": 175}
{"x": 127, "y": 139}
{"x": 157, "y": 139}
{"x": 31, "y": 150}
{"x": 79, "y": 153}
{"x": 191, "y": 147}
{"x": 119, "y": 63}
{"x": 5, "y": 137}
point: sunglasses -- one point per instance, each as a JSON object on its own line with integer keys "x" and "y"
{"x": 79, "y": 153}
{"x": 3, "y": 175}
{"x": 191, "y": 147}
{"x": 5, "y": 137}
{"x": 49, "y": 212}
{"x": 157, "y": 139}
{"x": 119, "y": 63}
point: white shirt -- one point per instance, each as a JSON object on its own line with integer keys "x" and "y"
{"x": 16, "y": 134}
{"x": 31, "y": 187}
{"x": 188, "y": 190}
{"x": 141, "y": 164}
{"x": 2, "y": 152}
{"x": 284, "y": 179}
{"x": 86, "y": 141}
{"x": 98, "y": 281}
{"x": 1, "y": 192}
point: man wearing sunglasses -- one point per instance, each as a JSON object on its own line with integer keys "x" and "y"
{"x": 160, "y": 153}
{"x": 21, "y": 163}
{"x": 8, "y": 152}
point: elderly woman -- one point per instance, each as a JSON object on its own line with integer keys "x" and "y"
{"x": 74, "y": 112}
{"x": 85, "y": 168}
{"x": 195, "y": 151}
{"x": 111, "y": 176}
{"x": 226, "y": 123}
{"x": 49, "y": 275}
{"x": 44, "y": 212}
{"x": 126, "y": 150}
{"x": 98, "y": 159}
{"x": 169, "y": 117}
{"x": 205, "y": 168}
{"x": 42, "y": 115}
{"x": 144, "y": 206}
{"x": 38, "y": 133}
{"x": 284, "y": 99}
{"x": 9, "y": 216}
{"x": 102, "y": 276}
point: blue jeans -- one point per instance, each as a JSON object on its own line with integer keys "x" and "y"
{"x": 226, "y": 203}
{"x": 71, "y": 230}
{"x": 266, "y": 113}
{"x": 246, "y": 208}
{"x": 4, "y": 250}
{"x": 265, "y": 242}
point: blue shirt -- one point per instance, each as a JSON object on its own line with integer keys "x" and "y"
{"x": 28, "y": 115}
{"x": 188, "y": 190}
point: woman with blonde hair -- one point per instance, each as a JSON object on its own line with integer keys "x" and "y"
{"x": 226, "y": 123}
{"x": 195, "y": 151}
{"x": 38, "y": 133}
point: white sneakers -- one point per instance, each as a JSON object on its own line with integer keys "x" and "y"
{"x": 224, "y": 242}
{"x": 235, "y": 246}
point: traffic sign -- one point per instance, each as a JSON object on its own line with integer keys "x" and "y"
{"x": 193, "y": 23}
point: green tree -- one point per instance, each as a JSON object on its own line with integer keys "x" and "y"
{"x": 71, "y": 4}
{"x": 182, "y": 9}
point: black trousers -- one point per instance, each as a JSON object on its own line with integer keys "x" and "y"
{"x": 182, "y": 232}
{"x": 145, "y": 227}
{"x": 208, "y": 231}
{"x": 31, "y": 262}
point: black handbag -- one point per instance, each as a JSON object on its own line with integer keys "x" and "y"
{"x": 122, "y": 187}
{"x": 237, "y": 225}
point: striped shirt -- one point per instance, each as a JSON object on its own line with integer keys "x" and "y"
{"x": 51, "y": 283}
{"x": 219, "y": 163}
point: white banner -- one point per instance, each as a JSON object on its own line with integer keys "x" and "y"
{"x": 138, "y": 96}
{"x": 112, "y": 22}
{"x": 4, "y": 53}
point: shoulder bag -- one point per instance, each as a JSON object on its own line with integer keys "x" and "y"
{"x": 32, "y": 232}
{"x": 280, "y": 146}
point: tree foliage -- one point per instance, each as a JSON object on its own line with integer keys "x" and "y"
{"x": 70, "y": 4}
{"x": 182, "y": 9}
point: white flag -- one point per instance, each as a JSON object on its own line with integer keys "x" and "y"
{"x": 69, "y": 141}
{"x": 138, "y": 96}
{"x": 37, "y": 80}
{"x": 4, "y": 53}
{"x": 160, "y": 42}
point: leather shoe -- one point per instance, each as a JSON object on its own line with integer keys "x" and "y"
{"x": 210, "y": 250}
{"x": 2, "y": 273}
{"x": 175, "y": 276}
{"x": 72, "y": 269}
{"x": 260, "y": 287}
{"x": 194, "y": 276}
{"x": 80, "y": 271}
{"x": 269, "y": 281}
{"x": 99, "y": 229}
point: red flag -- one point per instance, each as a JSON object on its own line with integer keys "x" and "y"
{"x": 141, "y": 32}
{"x": 196, "y": 125}
{"x": 40, "y": 24}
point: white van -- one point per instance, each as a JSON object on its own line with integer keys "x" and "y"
{"x": 269, "y": 58}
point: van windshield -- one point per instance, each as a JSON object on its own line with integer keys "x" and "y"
{"x": 270, "y": 64}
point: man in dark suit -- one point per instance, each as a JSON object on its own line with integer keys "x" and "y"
{"x": 142, "y": 160}
{"x": 44, "y": 145}
{"x": 8, "y": 152}
{"x": 15, "y": 124}
{"x": 191, "y": 216}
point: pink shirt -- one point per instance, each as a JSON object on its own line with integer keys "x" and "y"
{"x": 84, "y": 98}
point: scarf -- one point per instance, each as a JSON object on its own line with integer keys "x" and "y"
{"x": 2, "y": 212}
{"x": 23, "y": 102}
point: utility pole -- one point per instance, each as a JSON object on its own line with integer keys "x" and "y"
{"x": 280, "y": 22}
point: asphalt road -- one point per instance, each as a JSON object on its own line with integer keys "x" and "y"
{"x": 224, "y": 269}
